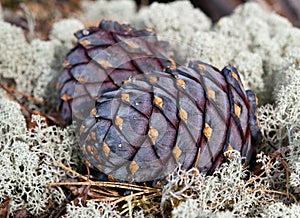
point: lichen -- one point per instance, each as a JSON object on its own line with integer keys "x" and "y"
{"x": 266, "y": 34}
{"x": 280, "y": 123}
{"x": 25, "y": 62}
{"x": 93, "y": 210}
{"x": 281, "y": 210}
{"x": 36, "y": 65}
{"x": 254, "y": 40}
{"x": 250, "y": 64}
{"x": 190, "y": 208}
{"x": 226, "y": 189}
{"x": 176, "y": 22}
{"x": 43, "y": 58}
{"x": 16, "y": 57}
{"x": 276, "y": 119}
{"x": 213, "y": 47}
{"x": 293, "y": 157}
{"x": 64, "y": 30}
{"x": 120, "y": 10}
{"x": 227, "y": 194}
{"x": 27, "y": 159}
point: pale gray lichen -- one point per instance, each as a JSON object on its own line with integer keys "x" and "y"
{"x": 92, "y": 210}
{"x": 263, "y": 32}
{"x": 140, "y": 214}
{"x": 276, "y": 119}
{"x": 43, "y": 58}
{"x": 272, "y": 129}
{"x": 213, "y": 48}
{"x": 25, "y": 62}
{"x": 248, "y": 64}
{"x": 64, "y": 30}
{"x": 226, "y": 189}
{"x": 27, "y": 159}
{"x": 293, "y": 157}
{"x": 16, "y": 56}
{"x": 120, "y": 10}
{"x": 175, "y": 22}
{"x": 281, "y": 210}
{"x": 288, "y": 101}
{"x": 295, "y": 177}
{"x": 190, "y": 208}
{"x": 286, "y": 72}
{"x": 280, "y": 122}
{"x": 266, "y": 34}
{"x": 275, "y": 173}
{"x": 254, "y": 40}
{"x": 12, "y": 119}
{"x": 206, "y": 196}
{"x": 35, "y": 66}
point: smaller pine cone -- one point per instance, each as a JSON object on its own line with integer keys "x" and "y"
{"x": 103, "y": 58}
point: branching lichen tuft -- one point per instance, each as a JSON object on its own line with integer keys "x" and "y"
{"x": 64, "y": 30}
{"x": 176, "y": 22}
{"x": 226, "y": 189}
{"x": 120, "y": 10}
{"x": 93, "y": 210}
{"x": 27, "y": 159}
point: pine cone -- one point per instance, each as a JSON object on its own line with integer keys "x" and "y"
{"x": 104, "y": 57}
{"x": 186, "y": 115}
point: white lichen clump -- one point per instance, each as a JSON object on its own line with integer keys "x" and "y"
{"x": 17, "y": 57}
{"x": 280, "y": 123}
{"x": 227, "y": 193}
{"x": 266, "y": 34}
{"x": 252, "y": 39}
{"x": 120, "y": 10}
{"x": 226, "y": 189}
{"x": 64, "y": 30}
{"x": 281, "y": 210}
{"x": 176, "y": 22}
{"x": 27, "y": 159}
{"x": 190, "y": 208}
{"x": 36, "y": 65}
{"x": 278, "y": 118}
{"x": 92, "y": 210}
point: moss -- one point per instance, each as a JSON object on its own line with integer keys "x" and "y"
{"x": 281, "y": 210}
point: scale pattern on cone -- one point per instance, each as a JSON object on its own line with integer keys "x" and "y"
{"x": 186, "y": 115}
{"x": 103, "y": 58}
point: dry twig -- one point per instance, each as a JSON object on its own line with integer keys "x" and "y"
{"x": 107, "y": 191}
